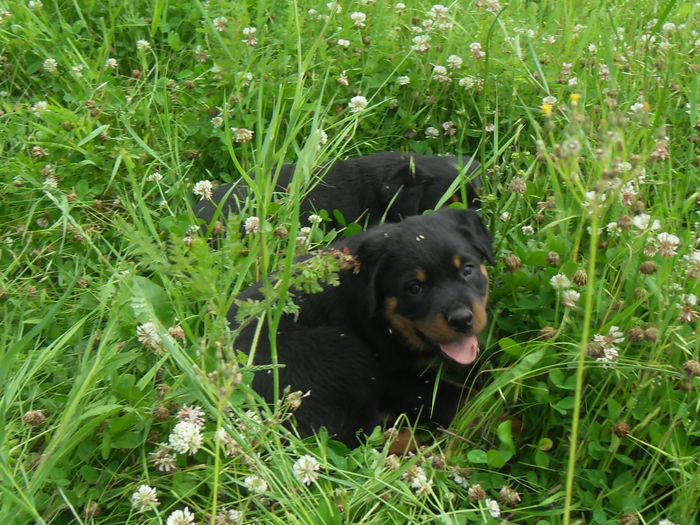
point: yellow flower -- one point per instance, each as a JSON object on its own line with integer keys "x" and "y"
{"x": 546, "y": 110}
{"x": 574, "y": 99}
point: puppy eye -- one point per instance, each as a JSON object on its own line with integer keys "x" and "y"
{"x": 414, "y": 288}
{"x": 466, "y": 270}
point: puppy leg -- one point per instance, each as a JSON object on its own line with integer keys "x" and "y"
{"x": 337, "y": 370}
{"x": 417, "y": 397}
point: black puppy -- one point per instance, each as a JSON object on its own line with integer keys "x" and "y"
{"x": 362, "y": 348}
{"x": 364, "y": 188}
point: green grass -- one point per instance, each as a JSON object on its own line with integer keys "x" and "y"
{"x": 92, "y": 247}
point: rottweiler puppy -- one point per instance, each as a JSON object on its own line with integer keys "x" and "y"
{"x": 363, "y": 189}
{"x": 363, "y": 348}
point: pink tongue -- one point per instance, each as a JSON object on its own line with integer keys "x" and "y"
{"x": 463, "y": 351}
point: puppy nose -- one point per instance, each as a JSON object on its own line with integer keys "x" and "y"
{"x": 461, "y": 320}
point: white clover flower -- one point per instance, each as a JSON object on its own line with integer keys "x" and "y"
{"x": 421, "y": 43}
{"x": 400, "y": 7}
{"x": 50, "y": 65}
{"x": 403, "y": 80}
{"x": 39, "y": 107}
{"x": 357, "y": 104}
{"x": 143, "y": 45}
{"x": 186, "y": 438}
{"x": 231, "y": 447}
{"x": 572, "y": 82}
{"x": 252, "y": 40}
{"x": 255, "y": 484}
{"x": 560, "y": 282}
{"x": 217, "y": 122}
{"x": 628, "y": 193}
{"x": 163, "y": 459}
{"x": 449, "y": 128}
{"x": 549, "y": 39}
{"x": 343, "y": 42}
{"x": 315, "y": 219}
{"x": 220, "y": 23}
{"x": 322, "y": 136}
{"x": 613, "y": 229}
{"x": 527, "y": 230}
{"x": 643, "y": 222}
{"x": 505, "y": 216}
{"x": 607, "y": 344}
{"x": 51, "y": 182}
{"x": 638, "y": 107}
{"x": 111, "y": 63}
{"x": 148, "y": 335}
{"x": 454, "y": 61}
{"x": 233, "y": 516}
{"x": 667, "y": 244}
{"x": 459, "y": 480}
{"x": 358, "y": 19}
{"x": 419, "y": 481}
{"x": 610, "y": 355}
{"x": 154, "y": 177}
{"x": 431, "y": 132}
{"x": 467, "y": 82}
{"x": 306, "y": 469}
{"x": 180, "y": 517}
{"x": 493, "y": 508}
{"x": 334, "y": 7}
{"x": 144, "y": 498}
{"x": 570, "y": 299}
{"x": 241, "y": 135}
{"x": 668, "y": 27}
{"x": 687, "y": 305}
{"x": 594, "y": 198}
{"x": 35, "y": 4}
{"x": 439, "y": 70}
{"x": 246, "y": 77}
{"x": 438, "y": 11}
{"x": 549, "y": 99}
{"x": 251, "y": 225}
{"x": 191, "y": 414}
{"x": 476, "y": 50}
{"x": 78, "y": 70}
{"x": 203, "y": 189}
{"x": 249, "y": 31}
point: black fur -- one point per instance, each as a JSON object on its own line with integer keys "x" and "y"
{"x": 363, "y": 188}
{"x": 347, "y": 345}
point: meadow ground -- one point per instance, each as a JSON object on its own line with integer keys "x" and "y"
{"x": 122, "y": 400}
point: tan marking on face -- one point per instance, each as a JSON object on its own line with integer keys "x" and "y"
{"x": 421, "y": 276}
{"x": 457, "y": 261}
{"x": 484, "y": 271}
{"x": 437, "y": 329}
{"x": 402, "y": 325}
{"x": 480, "y": 316}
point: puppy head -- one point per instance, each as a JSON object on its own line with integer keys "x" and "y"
{"x": 419, "y": 184}
{"x": 428, "y": 281}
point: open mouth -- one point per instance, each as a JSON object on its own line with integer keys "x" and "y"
{"x": 463, "y": 351}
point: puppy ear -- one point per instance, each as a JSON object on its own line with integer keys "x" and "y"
{"x": 370, "y": 248}
{"x": 402, "y": 192}
{"x": 474, "y": 230}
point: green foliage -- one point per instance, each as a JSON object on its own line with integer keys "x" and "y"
{"x": 585, "y": 118}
